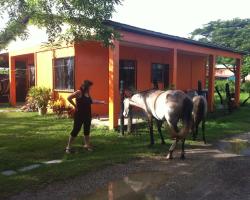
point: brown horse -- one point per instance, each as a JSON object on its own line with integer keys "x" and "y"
{"x": 199, "y": 116}
{"x": 172, "y": 106}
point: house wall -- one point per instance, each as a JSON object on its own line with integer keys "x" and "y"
{"x": 91, "y": 63}
{"x": 144, "y": 59}
{"x": 44, "y": 70}
{"x": 44, "y": 67}
{"x": 191, "y": 68}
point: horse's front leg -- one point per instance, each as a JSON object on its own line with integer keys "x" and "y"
{"x": 195, "y": 133}
{"x": 203, "y": 131}
{"x": 159, "y": 125}
{"x": 150, "y": 125}
{"x": 183, "y": 149}
{"x": 171, "y": 149}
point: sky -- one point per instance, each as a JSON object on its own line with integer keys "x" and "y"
{"x": 174, "y": 17}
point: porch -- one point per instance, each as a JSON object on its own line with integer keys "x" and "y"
{"x": 186, "y": 63}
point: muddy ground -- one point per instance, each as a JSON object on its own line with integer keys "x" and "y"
{"x": 221, "y": 171}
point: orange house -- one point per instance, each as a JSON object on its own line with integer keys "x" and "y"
{"x": 138, "y": 58}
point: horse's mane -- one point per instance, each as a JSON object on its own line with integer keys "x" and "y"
{"x": 144, "y": 92}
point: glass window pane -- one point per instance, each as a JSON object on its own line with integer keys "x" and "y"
{"x": 128, "y": 73}
{"x": 160, "y": 73}
{"x": 64, "y": 73}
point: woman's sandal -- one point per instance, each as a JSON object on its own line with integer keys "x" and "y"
{"x": 69, "y": 151}
{"x": 88, "y": 148}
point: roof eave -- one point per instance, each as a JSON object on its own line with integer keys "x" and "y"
{"x": 133, "y": 29}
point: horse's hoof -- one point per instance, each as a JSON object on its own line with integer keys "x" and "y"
{"x": 169, "y": 157}
{"x": 182, "y": 157}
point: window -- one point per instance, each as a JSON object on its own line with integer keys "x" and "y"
{"x": 128, "y": 73}
{"x": 160, "y": 73}
{"x": 32, "y": 75}
{"x": 64, "y": 74}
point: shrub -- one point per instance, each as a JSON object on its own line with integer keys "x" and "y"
{"x": 40, "y": 96}
{"x": 60, "y": 108}
{"x": 246, "y": 87}
{"x": 30, "y": 105}
{"x": 221, "y": 84}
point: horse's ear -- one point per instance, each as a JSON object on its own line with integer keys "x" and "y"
{"x": 129, "y": 93}
{"x": 134, "y": 91}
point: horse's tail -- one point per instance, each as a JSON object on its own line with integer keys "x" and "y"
{"x": 187, "y": 109}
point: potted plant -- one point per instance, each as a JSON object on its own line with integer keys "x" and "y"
{"x": 41, "y": 97}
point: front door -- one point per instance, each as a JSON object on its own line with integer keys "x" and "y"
{"x": 128, "y": 73}
{"x": 21, "y": 81}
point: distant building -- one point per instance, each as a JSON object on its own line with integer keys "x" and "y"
{"x": 223, "y": 73}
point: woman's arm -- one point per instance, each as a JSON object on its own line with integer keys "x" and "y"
{"x": 73, "y": 96}
{"x": 94, "y": 101}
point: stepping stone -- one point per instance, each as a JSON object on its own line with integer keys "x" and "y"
{"x": 52, "y": 162}
{"x": 8, "y": 172}
{"x": 30, "y": 167}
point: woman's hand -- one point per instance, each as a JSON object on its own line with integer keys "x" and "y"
{"x": 73, "y": 96}
{"x": 98, "y": 102}
{"x": 76, "y": 109}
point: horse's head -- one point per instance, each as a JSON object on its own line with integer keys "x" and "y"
{"x": 126, "y": 103}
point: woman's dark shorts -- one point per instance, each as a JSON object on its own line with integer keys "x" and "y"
{"x": 79, "y": 121}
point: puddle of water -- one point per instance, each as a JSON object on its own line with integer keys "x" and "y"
{"x": 236, "y": 146}
{"x": 135, "y": 186}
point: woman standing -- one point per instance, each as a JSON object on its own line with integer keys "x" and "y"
{"x": 82, "y": 115}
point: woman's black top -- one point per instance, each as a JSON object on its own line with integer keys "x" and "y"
{"x": 83, "y": 105}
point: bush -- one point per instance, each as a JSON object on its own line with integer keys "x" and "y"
{"x": 40, "y": 96}
{"x": 60, "y": 108}
{"x": 30, "y": 105}
{"x": 221, "y": 84}
{"x": 246, "y": 87}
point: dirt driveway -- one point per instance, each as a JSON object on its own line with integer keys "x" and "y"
{"x": 209, "y": 172}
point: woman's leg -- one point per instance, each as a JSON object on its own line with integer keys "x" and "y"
{"x": 86, "y": 133}
{"x": 76, "y": 128}
{"x": 70, "y": 141}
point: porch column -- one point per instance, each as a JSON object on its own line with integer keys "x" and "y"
{"x": 113, "y": 85}
{"x": 174, "y": 64}
{"x": 211, "y": 78}
{"x": 237, "y": 82}
{"x": 12, "y": 78}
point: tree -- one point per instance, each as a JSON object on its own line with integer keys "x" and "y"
{"x": 230, "y": 33}
{"x": 64, "y": 20}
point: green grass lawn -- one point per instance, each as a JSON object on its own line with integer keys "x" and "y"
{"x": 26, "y": 138}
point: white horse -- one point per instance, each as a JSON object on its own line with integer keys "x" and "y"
{"x": 172, "y": 106}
